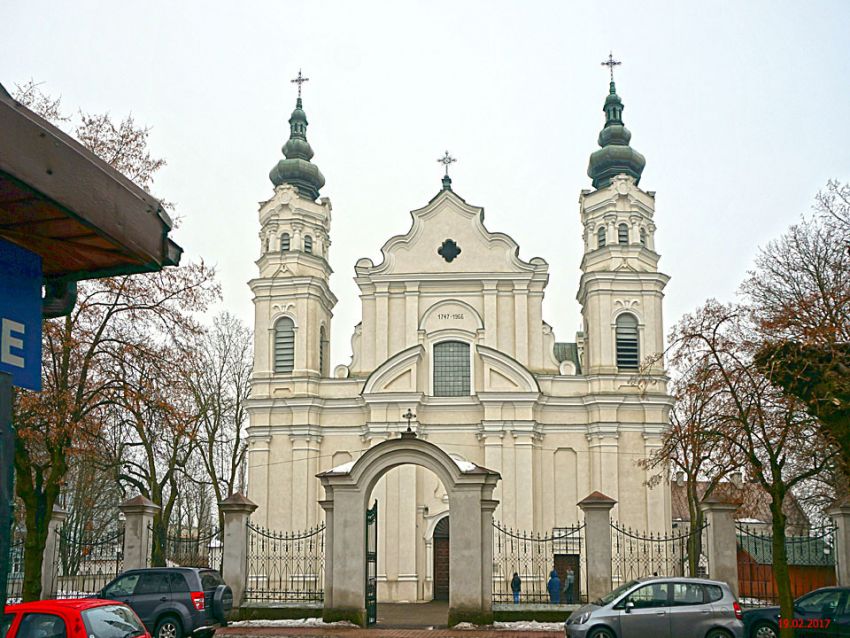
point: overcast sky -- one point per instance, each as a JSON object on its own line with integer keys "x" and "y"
{"x": 740, "y": 108}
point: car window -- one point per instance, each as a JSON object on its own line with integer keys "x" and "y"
{"x": 41, "y": 626}
{"x": 846, "y": 603}
{"x": 124, "y": 586}
{"x": 815, "y": 602}
{"x": 648, "y": 596}
{"x": 714, "y": 592}
{"x": 211, "y": 580}
{"x": 153, "y": 583}
{"x": 7, "y": 622}
{"x": 613, "y": 595}
{"x": 112, "y": 621}
{"x": 178, "y": 582}
{"x": 687, "y": 594}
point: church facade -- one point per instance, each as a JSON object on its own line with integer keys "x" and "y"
{"x": 454, "y": 345}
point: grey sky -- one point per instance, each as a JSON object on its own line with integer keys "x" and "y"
{"x": 739, "y": 108}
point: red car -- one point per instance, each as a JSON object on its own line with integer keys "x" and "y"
{"x": 74, "y": 618}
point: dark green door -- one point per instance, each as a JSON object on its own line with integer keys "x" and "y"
{"x": 372, "y": 565}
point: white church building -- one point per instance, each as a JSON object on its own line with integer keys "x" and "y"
{"x": 453, "y": 331}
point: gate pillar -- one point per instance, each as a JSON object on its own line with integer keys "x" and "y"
{"x": 840, "y": 514}
{"x": 597, "y": 533}
{"x": 722, "y": 541}
{"x": 49, "y": 566}
{"x": 138, "y": 518}
{"x": 235, "y": 509}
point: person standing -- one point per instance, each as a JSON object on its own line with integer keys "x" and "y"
{"x": 569, "y": 584}
{"x": 554, "y": 588}
{"x": 516, "y": 587}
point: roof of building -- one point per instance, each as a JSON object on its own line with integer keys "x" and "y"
{"x": 615, "y": 156}
{"x": 755, "y": 503}
{"x": 568, "y": 352}
{"x": 296, "y": 168}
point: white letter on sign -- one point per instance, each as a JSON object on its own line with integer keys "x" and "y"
{"x": 7, "y": 342}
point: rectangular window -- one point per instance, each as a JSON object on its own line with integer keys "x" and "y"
{"x": 451, "y": 369}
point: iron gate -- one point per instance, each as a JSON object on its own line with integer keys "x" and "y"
{"x": 372, "y": 565}
{"x": 85, "y": 564}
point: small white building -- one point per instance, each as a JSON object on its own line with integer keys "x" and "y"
{"x": 452, "y": 329}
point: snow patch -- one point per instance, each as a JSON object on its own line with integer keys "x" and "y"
{"x": 345, "y": 468}
{"x": 462, "y": 464}
{"x": 290, "y": 622}
{"x": 529, "y": 625}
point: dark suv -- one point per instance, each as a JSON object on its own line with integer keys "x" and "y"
{"x": 174, "y": 602}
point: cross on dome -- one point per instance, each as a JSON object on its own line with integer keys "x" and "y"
{"x": 610, "y": 63}
{"x": 299, "y": 81}
{"x": 446, "y": 160}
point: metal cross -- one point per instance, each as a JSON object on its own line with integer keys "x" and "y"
{"x": 610, "y": 63}
{"x": 409, "y": 415}
{"x": 445, "y": 160}
{"x": 299, "y": 81}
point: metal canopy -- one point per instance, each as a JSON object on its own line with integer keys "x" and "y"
{"x": 61, "y": 201}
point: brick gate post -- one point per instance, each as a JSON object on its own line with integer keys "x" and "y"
{"x": 597, "y": 542}
{"x": 138, "y": 518}
{"x": 236, "y": 509}
{"x": 721, "y": 541}
{"x": 840, "y": 514}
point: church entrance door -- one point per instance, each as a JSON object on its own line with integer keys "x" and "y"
{"x": 441, "y": 560}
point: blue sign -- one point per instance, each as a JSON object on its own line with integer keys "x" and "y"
{"x": 20, "y": 315}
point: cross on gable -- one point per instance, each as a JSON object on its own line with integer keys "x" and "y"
{"x": 446, "y": 160}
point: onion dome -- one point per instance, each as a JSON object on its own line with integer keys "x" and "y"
{"x": 297, "y": 169}
{"x": 615, "y": 156}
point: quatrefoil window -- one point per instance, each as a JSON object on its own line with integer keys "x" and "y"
{"x": 449, "y": 250}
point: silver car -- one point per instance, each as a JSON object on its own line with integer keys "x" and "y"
{"x": 660, "y": 608}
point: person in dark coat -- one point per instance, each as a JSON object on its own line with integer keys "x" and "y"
{"x": 516, "y": 587}
{"x": 554, "y": 588}
{"x": 569, "y": 584}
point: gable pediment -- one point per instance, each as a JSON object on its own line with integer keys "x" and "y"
{"x": 448, "y": 236}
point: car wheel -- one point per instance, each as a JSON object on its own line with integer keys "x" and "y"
{"x": 222, "y": 603}
{"x": 600, "y": 632}
{"x": 718, "y": 633}
{"x": 764, "y": 630}
{"x": 168, "y": 627}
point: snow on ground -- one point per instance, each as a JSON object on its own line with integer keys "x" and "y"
{"x": 290, "y": 622}
{"x": 529, "y": 625}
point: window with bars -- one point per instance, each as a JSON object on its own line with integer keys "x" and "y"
{"x": 308, "y": 244}
{"x": 323, "y": 351}
{"x": 628, "y": 350}
{"x": 284, "y": 345}
{"x": 451, "y": 369}
{"x": 284, "y": 242}
{"x": 600, "y": 237}
{"x": 623, "y": 234}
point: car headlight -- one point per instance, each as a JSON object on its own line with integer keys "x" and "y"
{"x": 580, "y": 619}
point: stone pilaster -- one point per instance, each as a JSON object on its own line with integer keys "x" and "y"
{"x": 597, "y": 541}
{"x": 236, "y": 509}
{"x": 138, "y": 518}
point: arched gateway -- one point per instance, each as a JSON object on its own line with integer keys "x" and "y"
{"x": 470, "y": 492}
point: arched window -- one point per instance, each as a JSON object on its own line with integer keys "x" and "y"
{"x": 622, "y": 234}
{"x": 600, "y": 237}
{"x": 284, "y": 242}
{"x": 451, "y": 369}
{"x": 323, "y": 351}
{"x": 628, "y": 350}
{"x": 308, "y": 244}
{"x": 643, "y": 237}
{"x": 284, "y": 345}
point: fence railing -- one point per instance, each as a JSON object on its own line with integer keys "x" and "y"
{"x": 635, "y": 554}
{"x": 533, "y": 557}
{"x": 15, "y": 575}
{"x": 285, "y": 566}
{"x": 84, "y": 565}
{"x": 811, "y": 563}
{"x": 194, "y": 548}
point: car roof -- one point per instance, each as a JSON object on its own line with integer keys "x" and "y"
{"x": 680, "y": 579}
{"x": 66, "y": 604}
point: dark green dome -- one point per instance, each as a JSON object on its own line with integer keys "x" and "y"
{"x": 297, "y": 169}
{"x": 615, "y": 156}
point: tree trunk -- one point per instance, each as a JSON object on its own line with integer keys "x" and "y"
{"x": 37, "y": 523}
{"x": 694, "y": 533}
{"x": 780, "y": 565}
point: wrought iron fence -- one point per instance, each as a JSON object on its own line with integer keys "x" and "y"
{"x": 85, "y": 564}
{"x": 15, "y": 575}
{"x": 533, "y": 556}
{"x": 194, "y": 548}
{"x": 811, "y": 563}
{"x": 635, "y": 554}
{"x": 286, "y": 566}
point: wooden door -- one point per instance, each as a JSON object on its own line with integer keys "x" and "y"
{"x": 441, "y": 560}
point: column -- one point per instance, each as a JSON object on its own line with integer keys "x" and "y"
{"x": 840, "y": 514}
{"x": 49, "y": 575}
{"x": 521, "y": 324}
{"x": 597, "y": 542}
{"x": 524, "y": 479}
{"x": 305, "y": 452}
{"x": 721, "y": 541}
{"x": 492, "y": 441}
{"x": 138, "y": 518}
{"x": 411, "y": 314}
{"x": 234, "y": 565}
{"x": 382, "y": 317}
{"x": 491, "y": 321}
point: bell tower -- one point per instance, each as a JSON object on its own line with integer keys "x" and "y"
{"x": 621, "y": 289}
{"x": 293, "y": 302}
